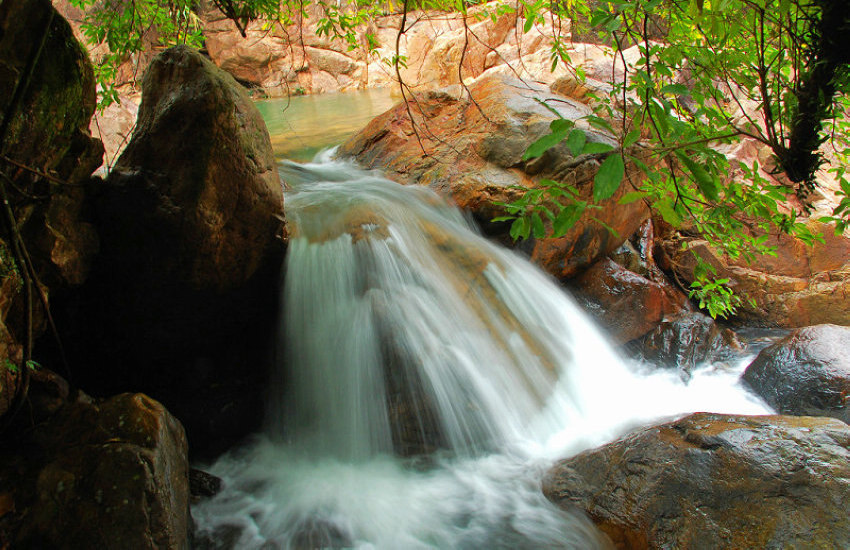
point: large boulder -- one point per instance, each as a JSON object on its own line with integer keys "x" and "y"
{"x": 716, "y": 481}
{"x": 806, "y": 373}
{"x": 107, "y": 474}
{"x": 469, "y": 146}
{"x": 183, "y": 298}
{"x": 47, "y": 98}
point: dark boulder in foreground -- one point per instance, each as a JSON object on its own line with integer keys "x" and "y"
{"x": 806, "y": 373}
{"x": 716, "y": 481}
{"x": 94, "y": 473}
{"x": 184, "y": 294}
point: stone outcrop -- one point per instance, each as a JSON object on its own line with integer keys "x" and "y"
{"x": 806, "y": 373}
{"x": 90, "y": 473}
{"x": 470, "y": 148}
{"x": 181, "y": 304}
{"x": 46, "y": 157}
{"x": 801, "y": 285}
{"x": 716, "y": 481}
{"x": 439, "y": 50}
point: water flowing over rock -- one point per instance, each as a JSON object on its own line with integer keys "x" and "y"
{"x": 191, "y": 218}
{"x": 716, "y": 481}
{"x": 806, "y": 373}
{"x": 89, "y": 473}
{"x": 470, "y": 148}
{"x": 44, "y": 116}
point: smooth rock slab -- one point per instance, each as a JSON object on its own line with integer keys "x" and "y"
{"x": 716, "y": 481}
{"x": 806, "y": 373}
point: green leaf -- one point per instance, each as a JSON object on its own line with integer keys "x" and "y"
{"x": 595, "y": 148}
{"x": 543, "y": 144}
{"x": 576, "y": 141}
{"x": 631, "y": 138}
{"x": 567, "y": 218}
{"x": 705, "y": 181}
{"x": 631, "y": 197}
{"x": 608, "y": 178}
{"x": 665, "y": 208}
{"x": 676, "y": 89}
{"x": 537, "y": 226}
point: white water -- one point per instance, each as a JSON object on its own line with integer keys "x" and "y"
{"x": 515, "y": 374}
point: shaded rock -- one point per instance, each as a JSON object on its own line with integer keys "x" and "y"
{"x": 716, "y": 481}
{"x": 806, "y": 373}
{"x": 44, "y": 117}
{"x": 687, "y": 340}
{"x": 475, "y": 149}
{"x": 628, "y": 305}
{"x": 108, "y": 474}
{"x": 181, "y": 304}
{"x": 203, "y": 484}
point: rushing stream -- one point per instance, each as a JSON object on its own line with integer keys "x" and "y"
{"x": 405, "y": 331}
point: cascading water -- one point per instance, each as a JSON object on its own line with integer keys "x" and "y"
{"x": 405, "y": 333}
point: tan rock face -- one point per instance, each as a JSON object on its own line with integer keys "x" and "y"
{"x": 802, "y": 285}
{"x": 471, "y": 150}
{"x": 438, "y": 48}
{"x": 716, "y": 481}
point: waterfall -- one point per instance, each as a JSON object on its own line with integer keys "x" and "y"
{"x": 407, "y": 334}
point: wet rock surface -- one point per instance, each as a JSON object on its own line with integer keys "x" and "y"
{"x": 716, "y": 481}
{"x": 806, "y": 373}
{"x": 627, "y": 304}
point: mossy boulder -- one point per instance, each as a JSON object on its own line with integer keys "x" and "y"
{"x": 47, "y": 98}
{"x": 716, "y": 481}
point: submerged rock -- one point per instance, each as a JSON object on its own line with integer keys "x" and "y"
{"x": 716, "y": 481}
{"x": 100, "y": 473}
{"x": 470, "y": 147}
{"x": 182, "y": 301}
{"x": 806, "y": 373}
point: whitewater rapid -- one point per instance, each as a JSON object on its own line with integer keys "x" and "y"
{"x": 392, "y": 297}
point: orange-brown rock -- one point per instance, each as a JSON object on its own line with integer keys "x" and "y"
{"x": 627, "y": 304}
{"x": 470, "y": 148}
{"x": 716, "y": 481}
{"x": 801, "y": 285}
